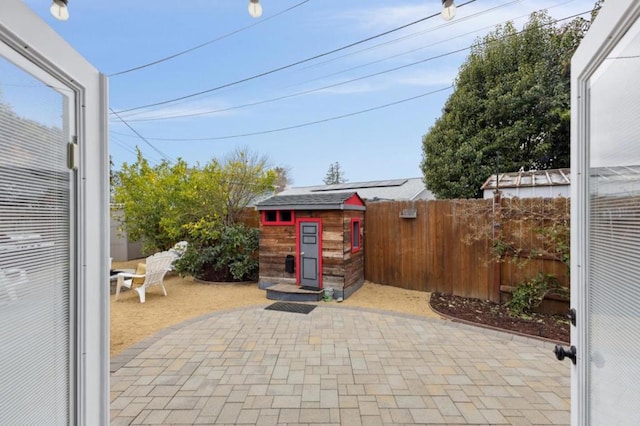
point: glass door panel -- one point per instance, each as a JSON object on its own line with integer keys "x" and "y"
{"x": 36, "y": 222}
{"x": 614, "y": 235}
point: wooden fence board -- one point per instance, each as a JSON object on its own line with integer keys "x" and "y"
{"x": 430, "y": 252}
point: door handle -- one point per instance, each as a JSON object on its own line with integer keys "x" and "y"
{"x": 562, "y": 353}
{"x": 301, "y": 253}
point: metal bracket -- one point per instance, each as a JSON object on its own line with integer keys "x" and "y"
{"x": 73, "y": 157}
{"x": 572, "y": 316}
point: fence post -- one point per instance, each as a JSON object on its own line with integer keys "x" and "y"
{"x": 497, "y": 233}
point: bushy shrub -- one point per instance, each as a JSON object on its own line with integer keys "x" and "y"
{"x": 219, "y": 252}
{"x": 529, "y": 294}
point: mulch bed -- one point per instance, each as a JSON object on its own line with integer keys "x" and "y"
{"x": 553, "y": 327}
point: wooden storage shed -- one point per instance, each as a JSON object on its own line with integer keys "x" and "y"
{"x": 311, "y": 242}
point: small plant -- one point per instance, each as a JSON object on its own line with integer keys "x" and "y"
{"x": 529, "y": 294}
{"x": 500, "y": 248}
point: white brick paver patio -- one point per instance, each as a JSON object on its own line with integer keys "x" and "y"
{"x": 336, "y": 365}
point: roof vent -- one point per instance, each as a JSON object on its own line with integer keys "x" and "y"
{"x": 409, "y": 214}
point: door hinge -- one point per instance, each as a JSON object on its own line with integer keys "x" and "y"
{"x": 72, "y": 154}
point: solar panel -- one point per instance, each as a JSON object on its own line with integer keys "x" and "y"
{"x": 361, "y": 185}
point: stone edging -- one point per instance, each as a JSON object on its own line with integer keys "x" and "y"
{"x": 500, "y": 330}
{"x": 199, "y": 281}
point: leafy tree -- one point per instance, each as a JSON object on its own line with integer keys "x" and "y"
{"x": 511, "y": 100}
{"x": 162, "y": 203}
{"x": 114, "y": 178}
{"x": 152, "y": 199}
{"x": 334, "y": 175}
{"x": 243, "y": 176}
{"x": 283, "y": 178}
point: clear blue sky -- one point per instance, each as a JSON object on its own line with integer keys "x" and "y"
{"x": 116, "y": 35}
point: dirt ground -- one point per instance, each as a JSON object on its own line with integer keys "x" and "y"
{"x": 553, "y": 327}
{"x": 132, "y": 321}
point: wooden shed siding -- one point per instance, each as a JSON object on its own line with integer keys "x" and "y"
{"x": 353, "y": 262}
{"x": 276, "y": 242}
{"x": 341, "y": 269}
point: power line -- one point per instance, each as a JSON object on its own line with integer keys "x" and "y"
{"x": 151, "y": 157}
{"x": 417, "y": 33}
{"x": 322, "y": 120}
{"x": 287, "y": 66}
{"x": 169, "y": 117}
{"x": 306, "y": 92}
{"x": 162, "y": 154}
{"x": 196, "y": 114}
{"x": 206, "y": 43}
{"x": 121, "y": 144}
{"x": 131, "y": 119}
{"x": 310, "y": 123}
{"x": 352, "y": 68}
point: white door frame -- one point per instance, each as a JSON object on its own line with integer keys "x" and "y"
{"x": 28, "y": 35}
{"x": 611, "y": 24}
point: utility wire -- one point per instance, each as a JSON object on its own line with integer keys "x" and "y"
{"x": 310, "y": 123}
{"x": 121, "y": 144}
{"x": 112, "y": 139}
{"x": 287, "y": 66}
{"x": 421, "y": 47}
{"x": 131, "y": 119}
{"x": 206, "y": 43}
{"x": 168, "y": 117}
{"x": 162, "y": 154}
{"x": 412, "y": 35}
{"x": 281, "y": 129}
{"x": 306, "y": 92}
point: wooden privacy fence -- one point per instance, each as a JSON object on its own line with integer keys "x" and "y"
{"x": 250, "y": 217}
{"x": 442, "y": 248}
{"x": 428, "y": 252}
{"x": 522, "y": 224}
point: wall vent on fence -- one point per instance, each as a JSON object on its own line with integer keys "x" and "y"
{"x": 409, "y": 214}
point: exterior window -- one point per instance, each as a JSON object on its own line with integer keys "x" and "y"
{"x": 356, "y": 242}
{"x": 285, "y": 216}
{"x": 278, "y": 217}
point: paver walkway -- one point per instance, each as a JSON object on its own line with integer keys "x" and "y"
{"x": 336, "y": 365}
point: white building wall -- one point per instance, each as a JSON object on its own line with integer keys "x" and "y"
{"x": 121, "y": 249}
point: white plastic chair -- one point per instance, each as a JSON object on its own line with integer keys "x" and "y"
{"x": 157, "y": 266}
{"x": 178, "y": 250}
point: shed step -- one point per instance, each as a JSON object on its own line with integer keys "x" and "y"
{"x": 289, "y": 292}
